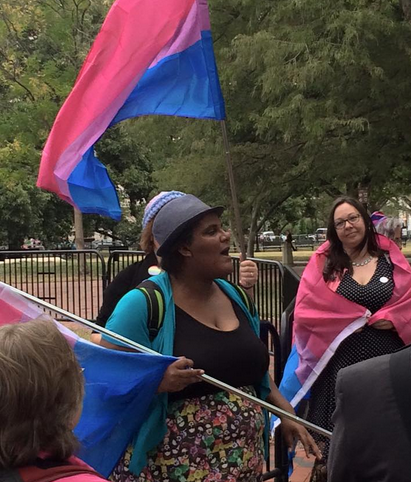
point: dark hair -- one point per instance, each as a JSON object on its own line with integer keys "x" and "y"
{"x": 337, "y": 259}
{"x": 41, "y": 392}
{"x": 172, "y": 261}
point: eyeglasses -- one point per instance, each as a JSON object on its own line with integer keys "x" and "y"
{"x": 353, "y": 219}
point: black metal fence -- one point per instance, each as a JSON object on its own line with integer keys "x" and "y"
{"x": 75, "y": 280}
{"x": 72, "y": 280}
{"x": 300, "y": 241}
{"x": 120, "y": 259}
{"x": 268, "y": 293}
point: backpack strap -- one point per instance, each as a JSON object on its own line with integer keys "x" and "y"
{"x": 246, "y": 298}
{"x": 46, "y": 473}
{"x": 155, "y": 306}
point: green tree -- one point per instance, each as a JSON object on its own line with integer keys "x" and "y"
{"x": 330, "y": 82}
{"x": 42, "y": 47}
{"x": 317, "y": 96}
{"x": 318, "y": 102}
{"x": 22, "y": 205}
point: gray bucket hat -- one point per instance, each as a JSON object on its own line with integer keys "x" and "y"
{"x": 176, "y": 216}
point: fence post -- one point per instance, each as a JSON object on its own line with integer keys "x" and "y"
{"x": 290, "y": 285}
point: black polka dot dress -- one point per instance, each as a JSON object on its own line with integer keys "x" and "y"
{"x": 357, "y": 347}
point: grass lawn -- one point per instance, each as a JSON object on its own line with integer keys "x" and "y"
{"x": 305, "y": 255}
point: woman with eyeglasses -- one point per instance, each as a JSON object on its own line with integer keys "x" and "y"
{"x": 353, "y": 303}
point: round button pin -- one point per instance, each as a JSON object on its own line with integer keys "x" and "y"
{"x": 154, "y": 270}
{"x": 384, "y": 279}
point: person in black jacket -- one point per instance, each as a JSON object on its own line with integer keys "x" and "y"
{"x": 125, "y": 281}
{"x": 371, "y": 439}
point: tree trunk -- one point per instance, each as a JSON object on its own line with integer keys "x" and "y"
{"x": 235, "y": 242}
{"x": 287, "y": 254}
{"x": 272, "y": 209}
{"x": 78, "y": 229}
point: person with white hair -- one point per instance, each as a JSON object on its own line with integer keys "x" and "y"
{"x": 389, "y": 227}
{"x": 41, "y": 399}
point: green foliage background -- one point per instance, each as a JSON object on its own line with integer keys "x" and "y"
{"x": 318, "y": 102}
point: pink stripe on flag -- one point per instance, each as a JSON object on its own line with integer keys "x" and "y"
{"x": 14, "y": 308}
{"x": 130, "y": 38}
{"x": 189, "y": 35}
{"x": 204, "y": 15}
{"x": 9, "y": 314}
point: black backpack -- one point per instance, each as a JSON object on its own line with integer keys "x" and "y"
{"x": 156, "y": 305}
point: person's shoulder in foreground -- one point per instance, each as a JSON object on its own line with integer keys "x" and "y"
{"x": 372, "y": 422}
{"x": 44, "y": 470}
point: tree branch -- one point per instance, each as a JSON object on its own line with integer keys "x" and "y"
{"x": 13, "y": 78}
{"x": 271, "y": 210}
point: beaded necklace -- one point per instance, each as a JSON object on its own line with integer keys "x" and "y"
{"x": 363, "y": 263}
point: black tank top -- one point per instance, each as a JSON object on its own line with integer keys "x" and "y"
{"x": 236, "y": 357}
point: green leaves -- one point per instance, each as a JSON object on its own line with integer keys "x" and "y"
{"x": 42, "y": 47}
{"x": 317, "y": 95}
{"x": 42, "y": 44}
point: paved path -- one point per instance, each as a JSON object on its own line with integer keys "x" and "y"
{"x": 302, "y": 467}
{"x": 299, "y": 268}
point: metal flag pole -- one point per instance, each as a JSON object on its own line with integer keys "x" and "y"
{"x": 132, "y": 344}
{"x": 234, "y": 198}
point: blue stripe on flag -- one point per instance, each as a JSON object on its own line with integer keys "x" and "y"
{"x": 119, "y": 389}
{"x": 91, "y": 188}
{"x": 184, "y": 84}
{"x": 290, "y": 384}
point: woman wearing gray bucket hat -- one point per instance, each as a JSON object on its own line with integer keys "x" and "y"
{"x": 195, "y": 431}
{"x": 134, "y": 274}
{"x": 130, "y": 277}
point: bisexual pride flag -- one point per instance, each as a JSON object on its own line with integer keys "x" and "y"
{"x": 119, "y": 387}
{"x": 150, "y": 57}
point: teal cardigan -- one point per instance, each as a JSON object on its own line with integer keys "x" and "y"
{"x": 129, "y": 319}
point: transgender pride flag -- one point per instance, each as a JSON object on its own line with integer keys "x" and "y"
{"x": 324, "y": 318}
{"x": 119, "y": 387}
{"x": 150, "y": 57}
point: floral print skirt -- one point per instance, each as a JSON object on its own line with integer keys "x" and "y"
{"x": 216, "y": 437}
